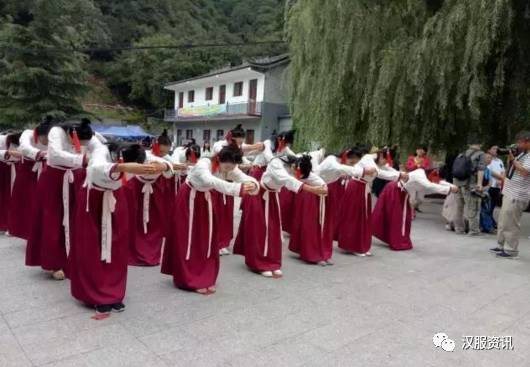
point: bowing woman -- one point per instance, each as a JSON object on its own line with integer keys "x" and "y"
{"x": 259, "y": 236}
{"x": 336, "y": 171}
{"x": 101, "y": 226}
{"x": 224, "y": 204}
{"x": 191, "y": 256}
{"x": 312, "y": 233}
{"x": 355, "y": 216}
{"x": 9, "y": 158}
{"x": 33, "y": 148}
{"x": 148, "y": 204}
{"x": 392, "y": 216}
{"x": 49, "y": 241}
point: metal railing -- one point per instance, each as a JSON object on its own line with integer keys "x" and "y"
{"x": 223, "y": 111}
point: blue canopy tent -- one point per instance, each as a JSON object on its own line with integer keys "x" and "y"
{"x": 125, "y": 133}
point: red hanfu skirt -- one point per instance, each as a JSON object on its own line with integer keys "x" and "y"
{"x": 198, "y": 270}
{"x": 5, "y": 195}
{"x": 46, "y": 243}
{"x": 286, "y": 205}
{"x": 392, "y": 217}
{"x": 257, "y": 172}
{"x": 22, "y": 200}
{"x": 354, "y": 228}
{"x": 223, "y": 208}
{"x": 311, "y": 239}
{"x": 93, "y": 281}
{"x": 335, "y": 197}
{"x": 146, "y": 248}
{"x": 260, "y": 241}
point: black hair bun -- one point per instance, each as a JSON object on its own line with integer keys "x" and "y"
{"x": 85, "y": 122}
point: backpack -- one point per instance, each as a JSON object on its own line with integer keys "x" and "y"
{"x": 462, "y": 167}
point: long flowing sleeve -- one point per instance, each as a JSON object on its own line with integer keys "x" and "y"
{"x": 26, "y": 147}
{"x": 388, "y": 173}
{"x": 418, "y": 181}
{"x": 202, "y": 179}
{"x": 276, "y": 177}
{"x": 99, "y": 170}
{"x": 58, "y": 155}
{"x": 168, "y": 173}
{"x": 236, "y": 175}
{"x": 331, "y": 170}
{"x": 314, "y": 180}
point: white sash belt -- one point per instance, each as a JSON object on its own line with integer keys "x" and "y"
{"x": 108, "y": 206}
{"x": 266, "y": 197}
{"x": 322, "y": 214}
{"x": 13, "y": 175}
{"x": 208, "y": 198}
{"x": 147, "y": 190}
{"x": 405, "y": 208}
{"x": 37, "y": 167}
{"x": 68, "y": 178}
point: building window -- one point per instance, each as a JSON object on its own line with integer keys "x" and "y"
{"x": 249, "y": 137}
{"x": 179, "y": 137}
{"x": 220, "y": 134}
{"x": 238, "y": 89}
{"x": 181, "y": 99}
{"x": 206, "y": 136}
{"x": 189, "y": 134}
{"x": 222, "y": 94}
{"x": 191, "y": 96}
{"x": 209, "y": 94}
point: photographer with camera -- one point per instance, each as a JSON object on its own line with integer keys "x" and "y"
{"x": 468, "y": 174}
{"x": 516, "y": 198}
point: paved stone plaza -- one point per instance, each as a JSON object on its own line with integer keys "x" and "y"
{"x": 378, "y": 311}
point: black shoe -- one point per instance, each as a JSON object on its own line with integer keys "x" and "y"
{"x": 505, "y": 255}
{"x": 118, "y": 307}
{"x": 103, "y": 308}
{"x": 496, "y": 249}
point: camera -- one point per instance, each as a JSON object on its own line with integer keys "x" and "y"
{"x": 511, "y": 148}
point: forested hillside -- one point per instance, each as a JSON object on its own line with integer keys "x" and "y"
{"x": 38, "y": 73}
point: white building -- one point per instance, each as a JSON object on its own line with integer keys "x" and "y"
{"x": 253, "y": 94}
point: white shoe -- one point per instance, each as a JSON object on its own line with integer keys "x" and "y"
{"x": 322, "y": 263}
{"x": 224, "y": 251}
{"x": 277, "y": 273}
{"x": 58, "y": 275}
{"x": 329, "y": 262}
{"x": 267, "y": 274}
{"x": 359, "y": 254}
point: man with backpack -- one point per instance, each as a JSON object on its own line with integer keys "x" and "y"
{"x": 468, "y": 174}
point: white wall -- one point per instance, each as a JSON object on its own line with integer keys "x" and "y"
{"x": 200, "y": 90}
{"x": 199, "y": 126}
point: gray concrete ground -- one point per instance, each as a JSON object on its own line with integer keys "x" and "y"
{"x": 378, "y": 311}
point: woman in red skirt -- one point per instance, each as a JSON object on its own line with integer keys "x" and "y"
{"x": 224, "y": 204}
{"x": 98, "y": 269}
{"x": 9, "y": 160}
{"x": 194, "y": 258}
{"x": 185, "y": 157}
{"x": 50, "y": 237}
{"x": 33, "y": 147}
{"x": 311, "y": 235}
{"x": 355, "y": 218}
{"x": 259, "y": 237}
{"x": 149, "y": 206}
{"x": 336, "y": 171}
{"x": 392, "y": 216}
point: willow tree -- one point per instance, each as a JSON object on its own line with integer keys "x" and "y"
{"x": 405, "y": 71}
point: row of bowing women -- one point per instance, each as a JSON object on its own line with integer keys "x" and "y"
{"x": 89, "y": 208}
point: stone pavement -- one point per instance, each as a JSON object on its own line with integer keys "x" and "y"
{"x": 378, "y": 311}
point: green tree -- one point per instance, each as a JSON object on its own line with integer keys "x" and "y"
{"x": 41, "y": 72}
{"x": 407, "y": 71}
